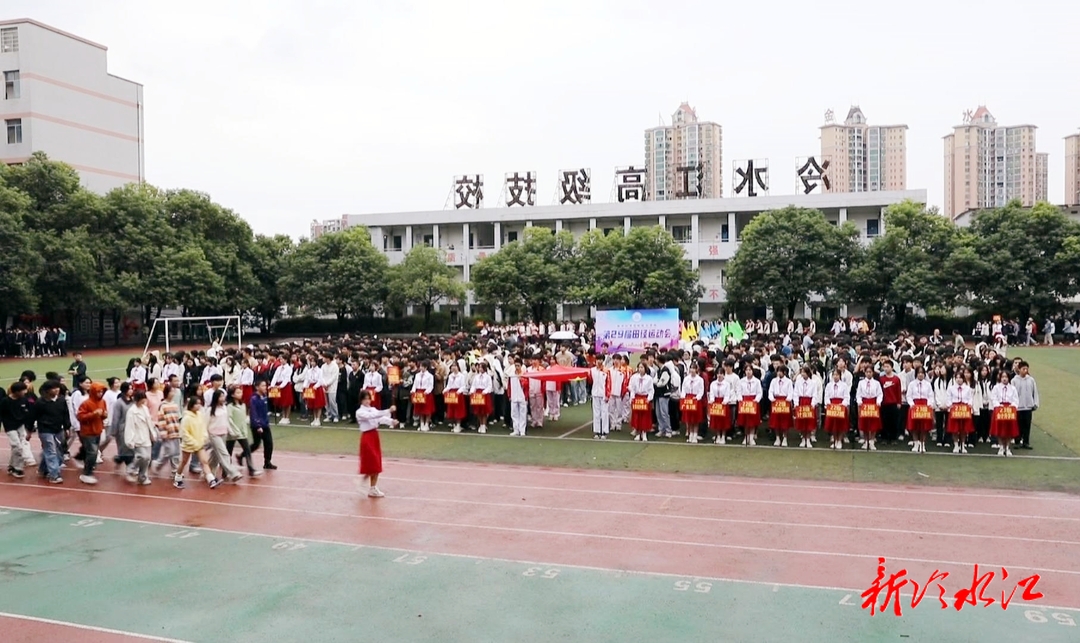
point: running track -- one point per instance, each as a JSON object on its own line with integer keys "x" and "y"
{"x": 801, "y": 534}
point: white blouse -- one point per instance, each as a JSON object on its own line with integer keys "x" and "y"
{"x": 313, "y": 377}
{"x": 693, "y": 386}
{"x": 423, "y": 381}
{"x": 373, "y": 380}
{"x": 481, "y": 383}
{"x": 455, "y": 382}
{"x": 719, "y": 390}
{"x": 370, "y": 418}
{"x": 870, "y": 389}
{"x": 781, "y": 387}
{"x": 641, "y": 385}
{"x": 282, "y": 376}
{"x": 750, "y": 387}
{"x": 920, "y": 390}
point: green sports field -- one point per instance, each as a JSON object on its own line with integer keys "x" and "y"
{"x": 1053, "y": 465}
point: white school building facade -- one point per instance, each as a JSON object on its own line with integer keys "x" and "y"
{"x": 708, "y": 229}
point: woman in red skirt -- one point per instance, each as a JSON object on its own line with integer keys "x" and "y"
{"x": 281, "y": 390}
{"x": 920, "y": 422}
{"x": 749, "y": 406}
{"x": 869, "y": 395}
{"x": 422, "y": 395}
{"x": 641, "y": 394}
{"x": 961, "y": 423}
{"x": 805, "y": 414}
{"x": 314, "y": 391}
{"x": 455, "y": 394}
{"x": 692, "y": 404}
{"x": 836, "y": 409}
{"x": 1003, "y": 424}
{"x": 781, "y": 394}
{"x": 480, "y": 396}
{"x": 719, "y": 417}
{"x": 370, "y": 418}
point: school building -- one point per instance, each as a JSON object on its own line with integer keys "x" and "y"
{"x": 708, "y": 229}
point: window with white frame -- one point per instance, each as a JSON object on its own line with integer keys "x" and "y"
{"x": 681, "y": 233}
{"x": 11, "y": 85}
{"x": 9, "y": 40}
{"x": 14, "y": 131}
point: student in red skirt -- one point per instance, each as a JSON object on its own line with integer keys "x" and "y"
{"x": 480, "y": 395}
{"x": 641, "y": 391}
{"x": 369, "y": 419}
{"x": 423, "y": 395}
{"x": 869, "y": 396}
{"x": 1004, "y": 400}
{"x": 961, "y": 423}
{"x": 314, "y": 390}
{"x": 719, "y": 411}
{"x": 836, "y": 409}
{"x": 749, "y": 405}
{"x": 692, "y": 405}
{"x": 281, "y": 390}
{"x": 805, "y": 414}
{"x": 455, "y": 396}
{"x": 247, "y": 381}
{"x": 781, "y": 395}
{"x": 373, "y": 383}
{"x": 920, "y": 421}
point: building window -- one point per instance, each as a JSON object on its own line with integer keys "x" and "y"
{"x": 429, "y": 240}
{"x": 9, "y": 40}
{"x": 873, "y": 227}
{"x": 725, "y": 234}
{"x": 11, "y": 84}
{"x": 14, "y": 131}
{"x": 681, "y": 233}
{"x": 397, "y": 243}
{"x": 511, "y": 236}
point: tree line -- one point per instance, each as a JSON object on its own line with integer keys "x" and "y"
{"x": 1012, "y": 261}
{"x": 69, "y": 252}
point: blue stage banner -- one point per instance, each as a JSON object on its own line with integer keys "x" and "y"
{"x": 635, "y": 331}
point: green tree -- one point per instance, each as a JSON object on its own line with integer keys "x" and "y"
{"x": 423, "y": 279}
{"x": 1030, "y": 258}
{"x": 271, "y": 256}
{"x": 49, "y": 184}
{"x": 20, "y": 259}
{"x": 529, "y": 274}
{"x": 906, "y": 266}
{"x": 339, "y": 273}
{"x": 643, "y": 269}
{"x": 787, "y": 255}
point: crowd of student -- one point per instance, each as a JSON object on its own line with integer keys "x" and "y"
{"x": 30, "y": 341}
{"x": 197, "y": 411}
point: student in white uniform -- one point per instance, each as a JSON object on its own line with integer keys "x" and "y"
{"x": 601, "y": 396}
{"x": 519, "y": 402}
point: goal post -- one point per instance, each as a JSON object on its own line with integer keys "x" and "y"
{"x": 223, "y": 329}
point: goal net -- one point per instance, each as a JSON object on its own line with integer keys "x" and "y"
{"x": 206, "y": 332}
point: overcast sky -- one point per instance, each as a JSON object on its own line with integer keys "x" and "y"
{"x": 289, "y": 110}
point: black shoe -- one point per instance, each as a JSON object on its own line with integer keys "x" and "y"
{"x": 15, "y": 473}
{"x": 270, "y": 466}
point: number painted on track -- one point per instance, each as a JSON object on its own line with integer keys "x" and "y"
{"x": 1035, "y": 616}
{"x": 287, "y": 545}
{"x": 846, "y": 600}
{"x": 701, "y": 587}
{"x": 87, "y": 522}
{"x": 410, "y": 559}
{"x": 1064, "y": 619}
{"x": 4, "y": 512}
{"x": 540, "y": 572}
{"x": 182, "y": 534}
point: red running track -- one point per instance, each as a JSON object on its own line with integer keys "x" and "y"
{"x": 765, "y": 531}
{"x": 23, "y": 629}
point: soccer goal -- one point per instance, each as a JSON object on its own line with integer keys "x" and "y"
{"x": 225, "y": 331}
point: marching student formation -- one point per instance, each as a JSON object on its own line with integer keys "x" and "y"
{"x": 209, "y": 414}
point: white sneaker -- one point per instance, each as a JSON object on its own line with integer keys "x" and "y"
{"x": 783, "y": 442}
{"x": 956, "y": 449}
{"x": 88, "y": 479}
{"x": 457, "y": 428}
{"x": 644, "y": 437}
{"x": 316, "y": 423}
{"x": 283, "y": 421}
{"x": 963, "y": 449}
{"x": 873, "y": 445}
{"x": 375, "y": 493}
{"x": 482, "y": 429}
{"x": 777, "y": 442}
{"x": 100, "y": 460}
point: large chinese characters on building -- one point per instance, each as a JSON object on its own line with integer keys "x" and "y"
{"x": 635, "y": 331}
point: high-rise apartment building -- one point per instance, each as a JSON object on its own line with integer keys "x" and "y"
{"x": 987, "y": 165}
{"x": 684, "y": 160}
{"x": 326, "y": 226}
{"x": 1072, "y": 169}
{"x": 863, "y": 157}
{"x": 59, "y": 98}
